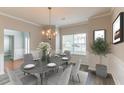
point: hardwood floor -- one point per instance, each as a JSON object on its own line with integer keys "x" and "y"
{"x": 93, "y": 79}
{"x": 12, "y": 65}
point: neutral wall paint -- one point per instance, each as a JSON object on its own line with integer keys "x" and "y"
{"x": 8, "y": 23}
{"x": 53, "y": 38}
{"x": 1, "y": 64}
{"x": 95, "y": 24}
{"x": 18, "y": 42}
{"x": 57, "y": 44}
{"x": 84, "y": 28}
{"x": 88, "y": 27}
{"x": 117, "y": 58}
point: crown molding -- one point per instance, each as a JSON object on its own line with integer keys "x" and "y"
{"x": 86, "y": 21}
{"x": 20, "y": 19}
{"x": 112, "y": 10}
{"x": 103, "y": 15}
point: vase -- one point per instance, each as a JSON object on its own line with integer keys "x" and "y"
{"x": 44, "y": 56}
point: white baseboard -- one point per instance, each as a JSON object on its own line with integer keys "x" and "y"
{"x": 1, "y": 63}
{"x": 117, "y": 70}
{"x": 1, "y": 73}
{"x": 115, "y": 79}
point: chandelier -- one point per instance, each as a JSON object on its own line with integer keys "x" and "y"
{"x": 49, "y": 32}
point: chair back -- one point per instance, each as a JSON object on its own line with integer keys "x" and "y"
{"x": 64, "y": 78}
{"x": 35, "y": 54}
{"x": 68, "y": 54}
{"x": 28, "y": 59}
{"x": 13, "y": 77}
{"x": 52, "y": 52}
{"x": 55, "y": 59}
{"x": 76, "y": 68}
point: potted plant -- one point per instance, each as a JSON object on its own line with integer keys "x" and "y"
{"x": 44, "y": 48}
{"x": 102, "y": 48}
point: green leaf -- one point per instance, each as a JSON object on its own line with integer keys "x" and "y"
{"x": 100, "y": 47}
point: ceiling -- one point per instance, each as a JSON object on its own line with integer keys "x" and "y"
{"x": 60, "y": 15}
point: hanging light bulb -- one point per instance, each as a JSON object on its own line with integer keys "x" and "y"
{"x": 49, "y": 33}
{"x": 43, "y": 32}
{"x": 54, "y": 33}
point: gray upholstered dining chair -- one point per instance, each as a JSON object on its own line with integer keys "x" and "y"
{"x": 75, "y": 70}
{"x": 65, "y": 77}
{"x": 61, "y": 78}
{"x": 26, "y": 80}
{"x": 36, "y": 55}
{"x": 68, "y": 54}
{"x": 56, "y": 59}
{"x": 28, "y": 59}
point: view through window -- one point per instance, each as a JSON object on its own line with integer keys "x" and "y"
{"x": 76, "y": 43}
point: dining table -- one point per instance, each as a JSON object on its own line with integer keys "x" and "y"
{"x": 41, "y": 67}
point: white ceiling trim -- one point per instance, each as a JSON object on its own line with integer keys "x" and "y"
{"x": 86, "y": 21}
{"x": 20, "y": 19}
{"x": 106, "y": 14}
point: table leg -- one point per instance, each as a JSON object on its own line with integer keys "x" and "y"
{"x": 66, "y": 63}
{"x": 41, "y": 77}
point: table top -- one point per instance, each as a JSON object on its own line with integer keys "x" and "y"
{"x": 41, "y": 67}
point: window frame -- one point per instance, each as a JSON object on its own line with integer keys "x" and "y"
{"x": 74, "y": 52}
{"x": 94, "y": 36}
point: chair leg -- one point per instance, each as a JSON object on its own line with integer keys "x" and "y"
{"x": 63, "y": 69}
{"x": 78, "y": 77}
{"x": 73, "y": 80}
{"x": 46, "y": 78}
{"x": 57, "y": 70}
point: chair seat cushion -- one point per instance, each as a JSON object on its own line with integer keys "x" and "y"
{"x": 29, "y": 80}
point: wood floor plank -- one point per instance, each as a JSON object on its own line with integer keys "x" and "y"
{"x": 93, "y": 79}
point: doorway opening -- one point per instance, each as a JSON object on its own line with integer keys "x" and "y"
{"x": 8, "y": 47}
{"x": 16, "y": 44}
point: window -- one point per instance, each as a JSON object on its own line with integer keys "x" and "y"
{"x": 76, "y": 43}
{"x": 27, "y": 42}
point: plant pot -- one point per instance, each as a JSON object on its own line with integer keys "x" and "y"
{"x": 101, "y": 70}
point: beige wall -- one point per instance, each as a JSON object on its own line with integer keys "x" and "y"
{"x": 88, "y": 27}
{"x": 45, "y": 39}
{"x": 117, "y": 58}
{"x": 82, "y": 28}
{"x": 8, "y": 23}
{"x": 117, "y": 49}
{"x": 102, "y": 22}
{"x": 115, "y": 61}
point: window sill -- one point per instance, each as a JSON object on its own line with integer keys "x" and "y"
{"x": 78, "y": 54}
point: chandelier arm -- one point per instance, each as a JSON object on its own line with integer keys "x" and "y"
{"x": 49, "y": 32}
{"x": 49, "y": 16}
